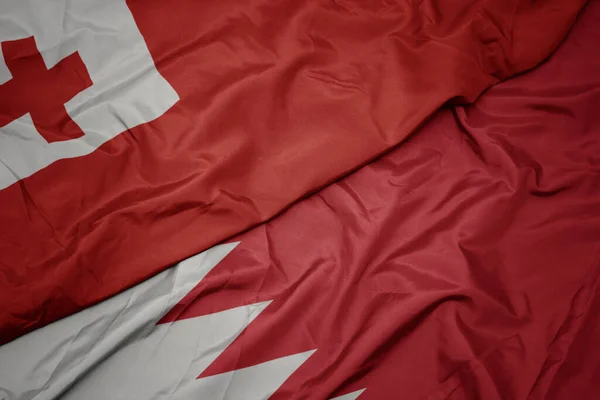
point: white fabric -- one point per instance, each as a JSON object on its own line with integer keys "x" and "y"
{"x": 127, "y": 89}
{"x": 44, "y": 363}
{"x": 350, "y": 396}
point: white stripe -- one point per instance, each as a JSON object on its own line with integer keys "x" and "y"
{"x": 167, "y": 360}
{"x": 258, "y": 382}
{"x": 42, "y": 364}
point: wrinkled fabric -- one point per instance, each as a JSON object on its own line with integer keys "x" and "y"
{"x": 276, "y": 100}
{"x": 44, "y": 364}
{"x": 462, "y": 265}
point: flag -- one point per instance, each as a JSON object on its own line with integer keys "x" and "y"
{"x": 463, "y": 264}
{"x": 136, "y": 134}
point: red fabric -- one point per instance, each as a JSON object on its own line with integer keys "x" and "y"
{"x": 463, "y": 265}
{"x": 277, "y": 99}
{"x": 40, "y": 91}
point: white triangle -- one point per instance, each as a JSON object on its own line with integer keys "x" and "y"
{"x": 253, "y": 383}
{"x": 350, "y": 396}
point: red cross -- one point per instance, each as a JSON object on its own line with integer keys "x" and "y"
{"x": 41, "y": 92}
